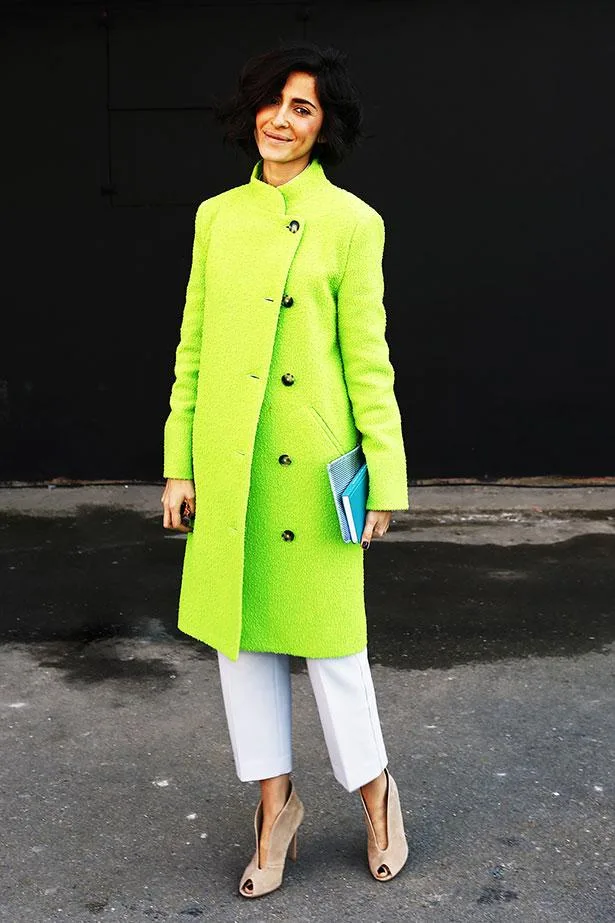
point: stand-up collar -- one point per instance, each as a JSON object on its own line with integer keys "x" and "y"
{"x": 289, "y": 196}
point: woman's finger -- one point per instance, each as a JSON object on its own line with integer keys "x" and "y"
{"x": 376, "y": 525}
{"x": 368, "y": 529}
{"x": 176, "y": 518}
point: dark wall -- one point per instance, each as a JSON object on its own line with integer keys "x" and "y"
{"x": 489, "y": 153}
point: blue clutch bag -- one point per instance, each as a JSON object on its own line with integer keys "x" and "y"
{"x": 349, "y": 483}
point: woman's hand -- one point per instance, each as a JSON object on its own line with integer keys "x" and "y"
{"x": 376, "y": 524}
{"x": 173, "y": 496}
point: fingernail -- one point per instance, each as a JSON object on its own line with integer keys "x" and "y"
{"x": 364, "y": 544}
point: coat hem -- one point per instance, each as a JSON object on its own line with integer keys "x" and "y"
{"x": 312, "y": 654}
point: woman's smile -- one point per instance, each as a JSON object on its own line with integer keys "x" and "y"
{"x": 273, "y": 137}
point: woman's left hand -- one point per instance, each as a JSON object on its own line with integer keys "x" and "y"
{"x": 376, "y": 524}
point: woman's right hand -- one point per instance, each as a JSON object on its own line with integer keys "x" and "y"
{"x": 174, "y": 494}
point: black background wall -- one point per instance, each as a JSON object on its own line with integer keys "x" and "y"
{"x": 490, "y": 156}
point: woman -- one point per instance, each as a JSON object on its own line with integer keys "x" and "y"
{"x": 282, "y": 366}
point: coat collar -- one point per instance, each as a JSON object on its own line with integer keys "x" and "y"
{"x": 289, "y": 196}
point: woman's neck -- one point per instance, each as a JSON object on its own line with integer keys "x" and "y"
{"x": 276, "y": 174}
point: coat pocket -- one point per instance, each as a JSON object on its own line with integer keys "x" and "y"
{"x": 335, "y": 442}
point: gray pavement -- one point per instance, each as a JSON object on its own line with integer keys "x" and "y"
{"x": 492, "y": 631}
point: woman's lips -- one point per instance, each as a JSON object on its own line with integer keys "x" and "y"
{"x": 275, "y": 137}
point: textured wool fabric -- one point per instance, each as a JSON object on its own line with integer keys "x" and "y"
{"x": 258, "y": 381}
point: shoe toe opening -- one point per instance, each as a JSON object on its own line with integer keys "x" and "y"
{"x": 248, "y": 886}
{"x": 384, "y": 871}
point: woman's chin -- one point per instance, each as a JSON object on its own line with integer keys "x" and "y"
{"x": 275, "y": 155}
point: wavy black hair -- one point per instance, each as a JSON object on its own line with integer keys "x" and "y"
{"x": 264, "y": 76}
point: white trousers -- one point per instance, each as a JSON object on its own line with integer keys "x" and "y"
{"x": 256, "y": 689}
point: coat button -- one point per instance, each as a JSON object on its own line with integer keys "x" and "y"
{"x": 293, "y": 227}
{"x": 285, "y": 459}
{"x": 287, "y": 535}
{"x": 288, "y": 379}
{"x": 287, "y": 301}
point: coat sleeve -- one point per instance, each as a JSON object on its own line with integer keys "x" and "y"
{"x": 367, "y": 368}
{"x": 178, "y": 426}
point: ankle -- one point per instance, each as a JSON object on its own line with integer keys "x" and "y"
{"x": 275, "y": 793}
{"x": 375, "y": 791}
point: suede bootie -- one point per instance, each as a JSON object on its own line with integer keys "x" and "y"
{"x": 384, "y": 864}
{"x": 257, "y": 880}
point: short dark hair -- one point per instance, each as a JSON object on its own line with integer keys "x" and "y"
{"x": 264, "y": 76}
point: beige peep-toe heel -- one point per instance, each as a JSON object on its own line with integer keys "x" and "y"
{"x": 384, "y": 864}
{"x": 256, "y": 881}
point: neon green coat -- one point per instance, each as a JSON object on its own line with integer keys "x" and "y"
{"x": 282, "y": 365}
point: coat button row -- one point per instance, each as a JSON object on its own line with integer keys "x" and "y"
{"x": 287, "y": 301}
{"x": 293, "y": 227}
{"x": 288, "y": 379}
{"x": 285, "y": 460}
{"x": 287, "y": 535}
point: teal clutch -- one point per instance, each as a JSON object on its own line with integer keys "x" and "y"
{"x": 354, "y": 500}
{"x": 349, "y": 481}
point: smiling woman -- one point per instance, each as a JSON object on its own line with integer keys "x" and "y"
{"x": 282, "y": 366}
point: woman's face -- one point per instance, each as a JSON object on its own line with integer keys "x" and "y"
{"x": 287, "y": 128}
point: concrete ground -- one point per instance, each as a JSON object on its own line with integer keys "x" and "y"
{"x": 492, "y": 622}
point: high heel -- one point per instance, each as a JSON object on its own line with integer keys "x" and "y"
{"x": 384, "y": 864}
{"x": 256, "y": 881}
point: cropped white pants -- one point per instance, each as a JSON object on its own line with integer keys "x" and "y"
{"x": 256, "y": 689}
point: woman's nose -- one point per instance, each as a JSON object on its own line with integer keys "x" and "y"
{"x": 280, "y": 119}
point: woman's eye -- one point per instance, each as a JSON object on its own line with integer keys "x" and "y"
{"x": 302, "y": 111}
